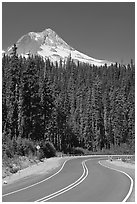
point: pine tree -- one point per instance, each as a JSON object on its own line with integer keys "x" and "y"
{"x": 5, "y": 65}
{"x": 13, "y": 94}
{"x": 99, "y": 132}
{"x": 47, "y": 108}
{"x": 31, "y": 107}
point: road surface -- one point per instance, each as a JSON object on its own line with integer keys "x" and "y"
{"x": 79, "y": 180}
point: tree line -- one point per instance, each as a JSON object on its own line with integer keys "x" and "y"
{"x": 68, "y": 104}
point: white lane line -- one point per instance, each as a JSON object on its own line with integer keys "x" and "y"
{"x": 69, "y": 187}
{"x": 131, "y": 180}
{"x": 65, "y": 187}
{"x": 21, "y": 189}
{"x": 75, "y": 157}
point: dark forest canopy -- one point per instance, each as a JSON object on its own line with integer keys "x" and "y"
{"x": 70, "y": 105}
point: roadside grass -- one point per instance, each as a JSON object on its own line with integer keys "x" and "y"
{"x": 22, "y": 153}
{"x": 13, "y": 165}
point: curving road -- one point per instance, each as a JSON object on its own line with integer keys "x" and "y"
{"x": 80, "y": 179}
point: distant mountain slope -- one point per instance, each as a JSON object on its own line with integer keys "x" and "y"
{"x": 49, "y": 45}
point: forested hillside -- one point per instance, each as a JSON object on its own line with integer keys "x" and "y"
{"x": 69, "y": 105}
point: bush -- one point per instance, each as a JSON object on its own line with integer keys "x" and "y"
{"x": 25, "y": 147}
{"x": 124, "y": 159}
{"x": 14, "y": 169}
{"x": 48, "y": 149}
{"x": 21, "y": 146}
{"x": 114, "y": 150}
{"x": 78, "y": 151}
{"x": 9, "y": 148}
{"x": 122, "y": 149}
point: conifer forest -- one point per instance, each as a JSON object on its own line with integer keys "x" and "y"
{"x": 70, "y": 105}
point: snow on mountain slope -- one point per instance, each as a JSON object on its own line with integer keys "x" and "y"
{"x": 49, "y": 45}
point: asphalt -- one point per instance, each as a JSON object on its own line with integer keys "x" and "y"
{"x": 97, "y": 184}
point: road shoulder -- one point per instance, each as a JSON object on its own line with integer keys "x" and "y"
{"x": 41, "y": 168}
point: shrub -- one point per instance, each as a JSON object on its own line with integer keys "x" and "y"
{"x": 25, "y": 147}
{"x": 21, "y": 146}
{"x": 29, "y": 147}
{"x": 124, "y": 159}
{"x": 8, "y": 148}
{"x": 78, "y": 151}
{"x": 48, "y": 149}
{"x": 122, "y": 149}
{"x": 14, "y": 169}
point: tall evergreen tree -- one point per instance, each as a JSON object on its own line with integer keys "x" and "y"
{"x": 98, "y": 114}
{"x": 13, "y": 94}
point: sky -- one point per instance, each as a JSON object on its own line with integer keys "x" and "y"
{"x": 102, "y": 30}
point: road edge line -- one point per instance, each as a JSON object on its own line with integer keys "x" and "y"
{"x": 21, "y": 189}
{"x": 131, "y": 180}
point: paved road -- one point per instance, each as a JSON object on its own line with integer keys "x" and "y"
{"x": 80, "y": 180}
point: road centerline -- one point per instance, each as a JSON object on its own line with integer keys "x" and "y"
{"x": 69, "y": 187}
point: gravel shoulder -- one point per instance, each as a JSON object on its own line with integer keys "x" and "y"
{"x": 40, "y": 168}
{"x": 128, "y": 168}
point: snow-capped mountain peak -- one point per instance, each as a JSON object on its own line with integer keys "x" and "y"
{"x": 48, "y": 37}
{"x": 49, "y": 45}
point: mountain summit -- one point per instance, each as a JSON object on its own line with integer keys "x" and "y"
{"x": 49, "y": 45}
